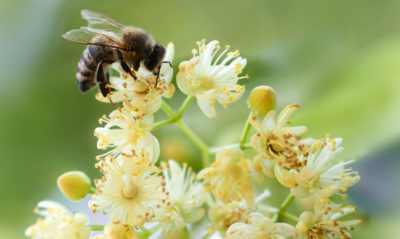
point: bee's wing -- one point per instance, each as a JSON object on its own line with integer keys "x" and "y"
{"x": 86, "y": 35}
{"x": 100, "y": 21}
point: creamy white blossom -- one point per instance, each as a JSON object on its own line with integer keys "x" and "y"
{"x": 275, "y": 142}
{"x": 143, "y": 95}
{"x": 325, "y": 222}
{"x": 57, "y": 222}
{"x": 127, "y": 134}
{"x": 212, "y": 78}
{"x": 229, "y": 176}
{"x": 319, "y": 173}
{"x": 257, "y": 226}
{"x": 185, "y": 198}
{"x": 130, "y": 189}
{"x": 223, "y": 215}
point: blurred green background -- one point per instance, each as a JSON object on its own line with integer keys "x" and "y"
{"x": 340, "y": 60}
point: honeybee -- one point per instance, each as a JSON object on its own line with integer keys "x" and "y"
{"x": 110, "y": 41}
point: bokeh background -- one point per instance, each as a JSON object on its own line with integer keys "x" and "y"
{"x": 340, "y": 60}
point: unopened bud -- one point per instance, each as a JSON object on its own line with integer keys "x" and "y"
{"x": 119, "y": 231}
{"x": 262, "y": 99}
{"x": 75, "y": 185}
{"x": 306, "y": 222}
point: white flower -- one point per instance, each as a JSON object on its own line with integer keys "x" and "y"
{"x": 223, "y": 215}
{"x": 319, "y": 174}
{"x": 185, "y": 197}
{"x": 143, "y": 95}
{"x": 275, "y": 142}
{"x": 324, "y": 222}
{"x": 58, "y": 223}
{"x": 228, "y": 178}
{"x": 127, "y": 134}
{"x": 212, "y": 79}
{"x": 131, "y": 189}
{"x": 259, "y": 227}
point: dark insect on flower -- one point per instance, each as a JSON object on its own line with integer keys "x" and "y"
{"x": 110, "y": 41}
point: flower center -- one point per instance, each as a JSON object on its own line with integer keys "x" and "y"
{"x": 280, "y": 148}
{"x": 206, "y": 82}
{"x": 129, "y": 191}
{"x": 133, "y": 138}
{"x": 141, "y": 87}
{"x": 276, "y": 147}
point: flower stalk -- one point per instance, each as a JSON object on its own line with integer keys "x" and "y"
{"x": 92, "y": 190}
{"x": 245, "y": 132}
{"x": 290, "y": 217}
{"x": 186, "y": 233}
{"x": 162, "y": 123}
{"x": 97, "y": 227}
{"x": 184, "y": 106}
{"x": 174, "y": 117}
{"x": 282, "y": 209}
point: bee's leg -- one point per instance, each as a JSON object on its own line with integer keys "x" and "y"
{"x": 136, "y": 65}
{"x": 158, "y": 75}
{"x": 159, "y": 68}
{"x": 124, "y": 66}
{"x": 102, "y": 79}
{"x": 169, "y": 63}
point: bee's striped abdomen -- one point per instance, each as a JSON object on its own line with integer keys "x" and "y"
{"x": 86, "y": 72}
{"x": 89, "y": 65}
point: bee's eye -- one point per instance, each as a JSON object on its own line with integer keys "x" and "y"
{"x": 131, "y": 49}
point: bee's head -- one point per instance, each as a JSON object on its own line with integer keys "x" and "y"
{"x": 155, "y": 58}
{"x": 137, "y": 40}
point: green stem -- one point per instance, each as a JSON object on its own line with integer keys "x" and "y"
{"x": 96, "y": 227}
{"x": 283, "y": 207}
{"x": 92, "y": 190}
{"x": 289, "y": 199}
{"x": 167, "y": 109}
{"x": 171, "y": 113}
{"x": 193, "y": 136}
{"x": 247, "y": 146}
{"x": 144, "y": 234}
{"x": 186, "y": 233}
{"x": 205, "y": 159}
{"x": 160, "y": 124}
{"x": 189, "y": 132}
{"x": 268, "y": 209}
{"x": 215, "y": 150}
{"x": 184, "y": 106}
{"x": 290, "y": 217}
{"x": 245, "y": 131}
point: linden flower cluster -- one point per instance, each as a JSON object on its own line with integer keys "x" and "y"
{"x": 144, "y": 197}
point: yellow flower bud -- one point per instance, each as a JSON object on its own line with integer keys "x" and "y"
{"x": 262, "y": 99}
{"x": 119, "y": 231}
{"x": 75, "y": 185}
